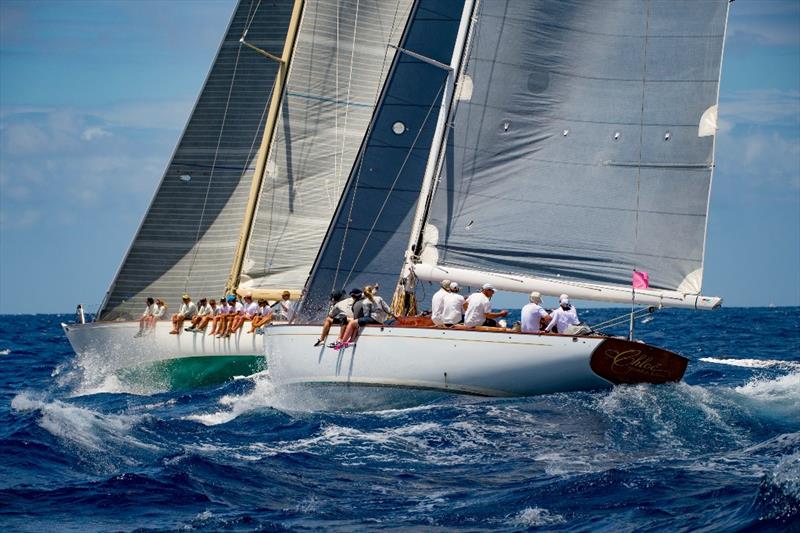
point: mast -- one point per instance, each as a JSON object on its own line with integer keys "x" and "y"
{"x": 266, "y": 140}
{"x": 399, "y": 304}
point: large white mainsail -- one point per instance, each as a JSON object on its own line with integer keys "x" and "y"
{"x": 579, "y": 150}
{"x": 341, "y": 58}
{"x": 188, "y": 237}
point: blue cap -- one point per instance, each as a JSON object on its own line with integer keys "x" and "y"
{"x": 231, "y": 298}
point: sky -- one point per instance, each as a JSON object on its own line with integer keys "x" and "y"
{"x": 94, "y": 95}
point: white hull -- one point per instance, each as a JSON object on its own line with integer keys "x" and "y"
{"x": 485, "y": 363}
{"x": 160, "y": 360}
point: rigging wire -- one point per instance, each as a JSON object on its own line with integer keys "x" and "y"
{"x": 394, "y": 183}
{"x": 349, "y": 87}
{"x": 213, "y": 168}
{"x": 360, "y": 157}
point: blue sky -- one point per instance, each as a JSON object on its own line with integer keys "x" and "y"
{"x": 94, "y": 94}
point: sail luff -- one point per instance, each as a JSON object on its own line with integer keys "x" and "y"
{"x": 714, "y": 145}
{"x": 437, "y": 146}
{"x": 269, "y": 130}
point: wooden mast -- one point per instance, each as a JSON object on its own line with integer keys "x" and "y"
{"x": 266, "y": 140}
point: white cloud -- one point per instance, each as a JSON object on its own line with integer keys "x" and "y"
{"x": 765, "y": 161}
{"x": 773, "y": 107}
{"x": 91, "y": 134}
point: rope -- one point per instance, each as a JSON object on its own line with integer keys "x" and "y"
{"x": 250, "y": 17}
{"x": 396, "y": 178}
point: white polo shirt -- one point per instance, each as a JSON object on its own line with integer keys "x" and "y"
{"x": 251, "y": 309}
{"x": 477, "y": 307}
{"x": 531, "y": 314}
{"x": 188, "y": 310}
{"x": 437, "y": 308}
{"x": 452, "y": 308}
{"x": 561, "y": 319}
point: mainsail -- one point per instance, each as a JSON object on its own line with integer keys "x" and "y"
{"x": 187, "y": 239}
{"x": 341, "y": 58}
{"x": 368, "y": 235}
{"x": 582, "y": 147}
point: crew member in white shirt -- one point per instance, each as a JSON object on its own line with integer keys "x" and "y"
{"x": 212, "y": 312}
{"x": 437, "y": 302}
{"x": 203, "y": 310}
{"x": 144, "y": 320}
{"x": 564, "y": 316}
{"x": 533, "y": 314}
{"x": 240, "y": 313}
{"x": 479, "y": 308}
{"x": 286, "y": 307}
{"x": 452, "y": 306}
{"x": 262, "y": 317}
{"x": 186, "y": 312}
{"x": 221, "y": 320}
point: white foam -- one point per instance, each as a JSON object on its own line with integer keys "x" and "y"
{"x": 80, "y": 426}
{"x": 5, "y": 352}
{"x": 753, "y": 363}
{"x": 535, "y": 517}
{"x": 261, "y": 396}
{"x": 786, "y": 475}
{"x": 783, "y": 391}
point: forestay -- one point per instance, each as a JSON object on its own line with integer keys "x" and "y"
{"x": 582, "y": 145}
{"x": 187, "y": 239}
{"x": 341, "y": 58}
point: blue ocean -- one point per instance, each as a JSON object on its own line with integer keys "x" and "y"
{"x": 717, "y": 452}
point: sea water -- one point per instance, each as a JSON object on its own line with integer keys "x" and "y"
{"x": 718, "y": 452}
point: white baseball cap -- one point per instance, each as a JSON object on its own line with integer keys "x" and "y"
{"x": 564, "y": 299}
{"x": 488, "y": 287}
{"x": 453, "y": 286}
{"x": 535, "y": 296}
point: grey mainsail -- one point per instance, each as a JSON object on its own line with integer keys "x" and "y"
{"x": 340, "y": 61}
{"x": 582, "y": 145}
{"x": 369, "y": 233}
{"x": 187, "y": 239}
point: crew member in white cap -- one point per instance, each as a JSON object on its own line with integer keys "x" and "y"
{"x": 563, "y": 316}
{"x": 453, "y": 306}
{"x": 437, "y": 302}
{"x": 533, "y": 314}
{"x": 479, "y": 308}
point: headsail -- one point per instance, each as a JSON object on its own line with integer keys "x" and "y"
{"x": 187, "y": 239}
{"x": 341, "y": 58}
{"x": 582, "y": 150}
{"x": 369, "y": 233}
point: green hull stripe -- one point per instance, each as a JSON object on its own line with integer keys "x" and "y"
{"x": 192, "y": 372}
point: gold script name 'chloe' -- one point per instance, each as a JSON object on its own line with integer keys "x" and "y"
{"x": 624, "y": 362}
